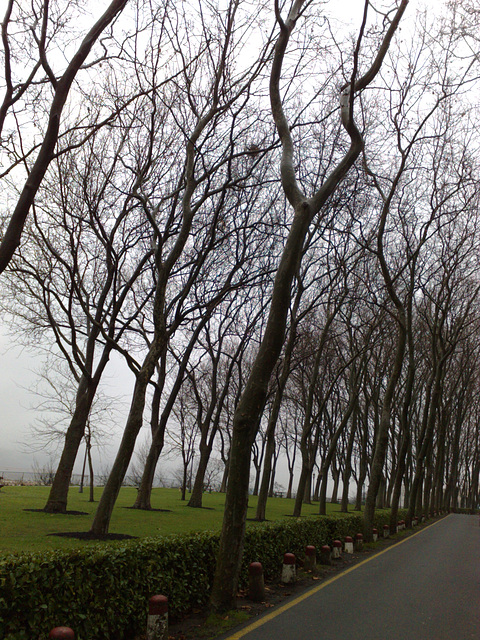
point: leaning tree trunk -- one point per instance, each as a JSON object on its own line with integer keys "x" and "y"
{"x": 134, "y": 423}
{"x": 252, "y": 401}
{"x": 267, "y": 471}
{"x": 273, "y": 418}
{"x": 363, "y": 466}
{"x": 419, "y": 476}
{"x": 90, "y": 468}
{"x": 144, "y": 493}
{"x": 159, "y": 423}
{"x": 381, "y": 444}
{"x": 404, "y": 423}
{"x": 197, "y": 490}
{"x": 335, "y": 471}
{"x": 58, "y": 496}
{"x": 348, "y": 466}
{"x": 331, "y": 452}
{"x": 305, "y": 474}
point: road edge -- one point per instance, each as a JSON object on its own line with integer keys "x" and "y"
{"x": 263, "y": 619}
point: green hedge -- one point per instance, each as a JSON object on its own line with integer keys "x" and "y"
{"x": 469, "y": 512}
{"x": 102, "y": 592}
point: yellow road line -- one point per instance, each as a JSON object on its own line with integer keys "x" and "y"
{"x": 264, "y": 619}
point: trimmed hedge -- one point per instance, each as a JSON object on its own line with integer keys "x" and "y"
{"x": 465, "y": 511}
{"x": 102, "y": 592}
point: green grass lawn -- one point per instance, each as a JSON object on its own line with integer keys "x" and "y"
{"x": 22, "y": 530}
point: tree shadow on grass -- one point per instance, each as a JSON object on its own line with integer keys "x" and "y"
{"x": 138, "y": 509}
{"x": 66, "y": 513}
{"x": 202, "y": 508}
{"x": 87, "y": 535}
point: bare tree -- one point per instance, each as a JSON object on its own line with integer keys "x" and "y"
{"x": 222, "y": 90}
{"x": 254, "y": 395}
{"x": 43, "y": 32}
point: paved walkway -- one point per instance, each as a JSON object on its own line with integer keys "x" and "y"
{"x": 426, "y": 587}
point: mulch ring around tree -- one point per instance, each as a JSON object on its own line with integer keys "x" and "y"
{"x": 88, "y": 535}
{"x": 65, "y": 513}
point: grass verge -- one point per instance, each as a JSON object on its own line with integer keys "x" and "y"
{"x": 31, "y": 530}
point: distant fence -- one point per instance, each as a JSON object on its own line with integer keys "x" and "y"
{"x": 44, "y": 478}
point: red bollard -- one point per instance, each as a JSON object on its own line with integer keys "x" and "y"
{"x": 157, "y": 621}
{"x": 326, "y": 555}
{"x": 310, "y": 558}
{"x": 359, "y": 542}
{"x": 337, "y": 549}
{"x": 256, "y": 585}
{"x": 375, "y": 534}
{"x": 61, "y": 633}
{"x": 348, "y": 544}
{"x": 289, "y": 574}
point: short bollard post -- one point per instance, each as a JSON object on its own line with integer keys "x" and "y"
{"x": 256, "y": 584}
{"x": 326, "y": 555}
{"x": 423, "y": 518}
{"x": 337, "y": 549}
{"x": 310, "y": 558}
{"x": 414, "y": 521}
{"x": 386, "y": 530}
{"x": 348, "y": 544}
{"x": 61, "y": 633}
{"x": 289, "y": 573}
{"x": 358, "y": 542}
{"x": 401, "y": 525}
{"x": 157, "y": 621}
{"x": 375, "y": 534}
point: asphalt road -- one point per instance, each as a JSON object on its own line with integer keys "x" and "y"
{"x": 425, "y": 588}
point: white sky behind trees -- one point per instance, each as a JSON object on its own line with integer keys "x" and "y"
{"x": 19, "y": 366}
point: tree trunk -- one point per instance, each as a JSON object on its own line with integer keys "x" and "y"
{"x": 58, "y": 496}
{"x": 196, "y": 497}
{"x": 430, "y": 418}
{"x": 336, "y": 482}
{"x": 143, "y": 499}
{"x": 184, "y": 482}
{"x": 273, "y": 418}
{"x": 301, "y": 488}
{"x": 376, "y": 471}
{"x": 348, "y": 465}
{"x": 271, "y": 490}
{"x": 331, "y": 452}
{"x": 252, "y": 401}
{"x": 362, "y": 471}
{"x": 290, "y": 484}
{"x": 223, "y": 485}
{"x": 267, "y": 471}
{"x": 90, "y": 467}
{"x": 134, "y": 423}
